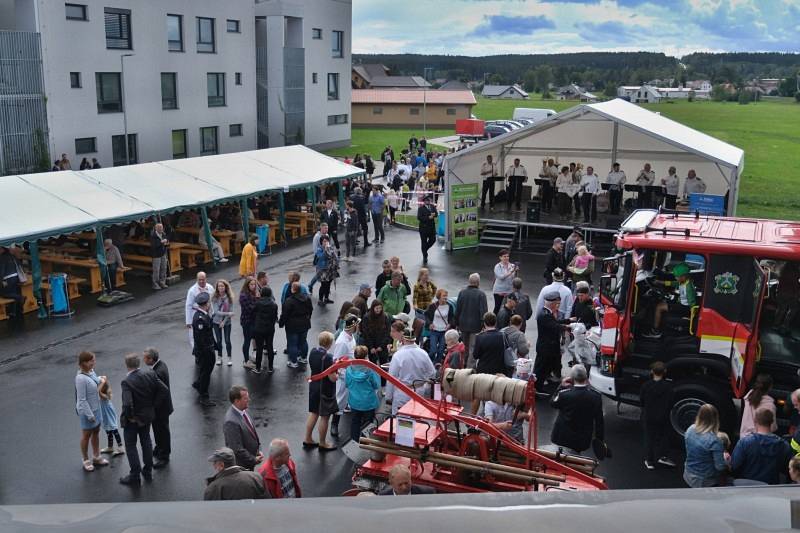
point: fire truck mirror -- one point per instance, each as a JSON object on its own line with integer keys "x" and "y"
{"x": 608, "y": 287}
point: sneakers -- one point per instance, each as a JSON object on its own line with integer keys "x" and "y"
{"x": 249, "y": 364}
{"x": 162, "y": 285}
{"x": 302, "y": 360}
{"x": 88, "y": 466}
{"x": 119, "y": 450}
{"x": 255, "y": 370}
{"x": 291, "y": 365}
{"x": 666, "y": 461}
{"x": 219, "y": 361}
{"x": 648, "y": 465}
{"x": 223, "y": 260}
{"x": 99, "y": 461}
{"x": 270, "y": 370}
{"x": 107, "y": 450}
{"x": 652, "y": 334}
{"x": 156, "y": 287}
{"x": 230, "y": 361}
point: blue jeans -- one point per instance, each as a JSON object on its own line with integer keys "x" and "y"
{"x": 314, "y": 279}
{"x": 436, "y": 350}
{"x": 297, "y": 345}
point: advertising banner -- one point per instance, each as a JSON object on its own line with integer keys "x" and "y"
{"x": 464, "y": 215}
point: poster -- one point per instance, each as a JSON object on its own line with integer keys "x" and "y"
{"x": 464, "y": 214}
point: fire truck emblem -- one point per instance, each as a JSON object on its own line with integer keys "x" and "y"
{"x": 726, "y": 283}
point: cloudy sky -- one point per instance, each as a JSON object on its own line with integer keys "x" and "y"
{"x": 485, "y": 27}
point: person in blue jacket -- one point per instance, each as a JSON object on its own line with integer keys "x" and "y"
{"x": 362, "y": 385}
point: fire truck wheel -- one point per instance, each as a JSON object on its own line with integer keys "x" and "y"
{"x": 689, "y": 395}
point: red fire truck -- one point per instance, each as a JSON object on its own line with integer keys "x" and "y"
{"x": 746, "y": 273}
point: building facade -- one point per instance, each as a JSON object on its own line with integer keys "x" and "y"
{"x": 180, "y": 76}
{"x": 410, "y": 107}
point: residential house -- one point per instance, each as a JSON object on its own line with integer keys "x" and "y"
{"x": 575, "y": 92}
{"x": 513, "y": 92}
{"x": 376, "y": 76}
{"x": 454, "y": 85}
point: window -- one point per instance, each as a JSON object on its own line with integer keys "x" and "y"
{"x": 216, "y": 89}
{"x": 316, "y": 33}
{"x": 109, "y": 92}
{"x": 75, "y": 80}
{"x": 178, "y": 144}
{"x": 118, "y": 149}
{"x": 413, "y": 111}
{"x": 118, "y": 28}
{"x": 175, "y": 33}
{"x": 235, "y": 130}
{"x": 333, "y": 86}
{"x": 76, "y": 12}
{"x": 87, "y": 145}
{"x": 208, "y": 140}
{"x": 377, "y": 111}
{"x": 451, "y": 110}
{"x": 233, "y": 26}
{"x": 337, "y": 47}
{"x": 314, "y": 77}
{"x": 169, "y": 90}
{"x": 205, "y": 36}
{"x": 237, "y": 78}
{"x": 337, "y": 119}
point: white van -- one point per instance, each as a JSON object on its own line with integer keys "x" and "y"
{"x": 532, "y": 113}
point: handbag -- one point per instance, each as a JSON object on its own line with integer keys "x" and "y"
{"x": 509, "y": 353}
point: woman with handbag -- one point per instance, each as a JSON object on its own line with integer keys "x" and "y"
{"x": 321, "y": 394}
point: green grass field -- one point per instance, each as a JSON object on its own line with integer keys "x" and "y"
{"x": 767, "y": 131}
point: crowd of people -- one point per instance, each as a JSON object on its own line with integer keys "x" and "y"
{"x": 416, "y": 329}
{"x": 579, "y": 194}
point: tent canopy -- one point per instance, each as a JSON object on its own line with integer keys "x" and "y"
{"x": 598, "y": 134}
{"x": 54, "y": 203}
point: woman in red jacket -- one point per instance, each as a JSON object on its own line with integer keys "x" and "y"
{"x": 279, "y": 471}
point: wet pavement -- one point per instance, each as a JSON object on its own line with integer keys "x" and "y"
{"x": 39, "y": 454}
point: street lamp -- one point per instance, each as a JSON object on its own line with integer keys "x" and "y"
{"x": 124, "y": 107}
{"x": 425, "y": 100}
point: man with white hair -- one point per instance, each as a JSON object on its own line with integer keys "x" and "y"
{"x": 191, "y": 296}
{"x": 400, "y": 483}
{"x": 563, "y": 291}
{"x": 471, "y": 305}
{"x": 580, "y": 414}
{"x": 279, "y": 471}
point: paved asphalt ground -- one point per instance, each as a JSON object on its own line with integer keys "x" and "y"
{"x": 40, "y": 459}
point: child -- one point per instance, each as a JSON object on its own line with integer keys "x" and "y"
{"x": 725, "y": 478}
{"x": 656, "y": 399}
{"x": 583, "y": 258}
{"x": 109, "y": 419}
{"x": 362, "y": 384}
{"x": 502, "y": 416}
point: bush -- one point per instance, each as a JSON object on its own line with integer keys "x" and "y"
{"x": 745, "y": 97}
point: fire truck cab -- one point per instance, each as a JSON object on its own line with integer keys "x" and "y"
{"x": 744, "y": 320}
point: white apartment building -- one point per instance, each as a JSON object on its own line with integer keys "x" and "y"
{"x": 304, "y": 63}
{"x": 180, "y": 76}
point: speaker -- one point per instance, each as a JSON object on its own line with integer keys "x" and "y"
{"x": 614, "y": 221}
{"x": 534, "y": 211}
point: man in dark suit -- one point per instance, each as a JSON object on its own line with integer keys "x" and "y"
{"x": 548, "y": 341}
{"x": 580, "y": 414}
{"x": 330, "y": 216}
{"x": 400, "y": 481}
{"x": 204, "y": 346}
{"x": 554, "y": 259}
{"x": 426, "y": 215}
{"x": 163, "y": 410}
{"x": 240, "y": 432}
{"x": 141, "y": 392}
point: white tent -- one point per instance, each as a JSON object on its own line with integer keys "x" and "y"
{"x": 49, "y": 204}
{"x": 598, "y": 134}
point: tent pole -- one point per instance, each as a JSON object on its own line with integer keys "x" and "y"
{"x": 733, "y": 192}
{"x": 341, "y": 196}
{"x": 36, "y": 271}
{"x": 282, "y": 217}
{"x": 614, "y": 140}
{"x": 207, "y": 233}
{"x": 314, "y": 203}
{"x": 101, "y": 256}
{"x": 245, "y": 219}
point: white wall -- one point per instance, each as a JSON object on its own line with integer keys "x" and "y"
{"x": 78, "y": 46}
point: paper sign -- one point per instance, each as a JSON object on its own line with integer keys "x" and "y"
{"x": 404, "y": 434}
{"x": 437, "y": 391}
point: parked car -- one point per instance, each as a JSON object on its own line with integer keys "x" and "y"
{"x": 510, "y": 123}
{"x": 493, "y": 130}
{"x": 532, "y": 113}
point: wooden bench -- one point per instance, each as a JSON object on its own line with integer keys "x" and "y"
{"x": 121, "y": 275}
{"x": 190, "y": 256}
{"x": 223, "y": 237}
{"x": 90, "y": 266}
{"x": 141, "y": 262}
{"x": 3, "y": 303}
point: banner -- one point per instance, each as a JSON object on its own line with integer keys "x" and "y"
{"x": 464, "y": 215}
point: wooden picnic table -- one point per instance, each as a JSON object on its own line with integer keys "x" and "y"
{"x": 91, "y": 267}
{"x": 173, "y": 252}
{"x": 292, "y": 229}
{"x": 306, "y": 219}
{"x": 224, "y": 237}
